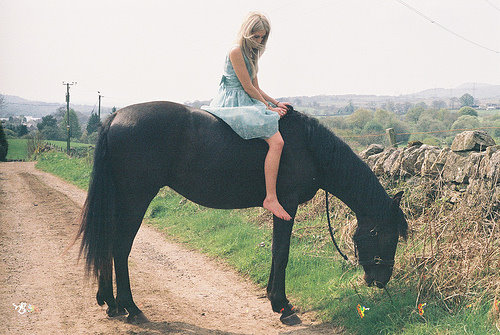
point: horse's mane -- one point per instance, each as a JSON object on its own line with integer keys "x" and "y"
{"x": 349, "y": 178}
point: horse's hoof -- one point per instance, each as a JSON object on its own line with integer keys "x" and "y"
{"x": 290, "y": 320}
{"x": 137, "y": 319}
{"x": 100, "y": 301}
{"x": 115, "y": 311}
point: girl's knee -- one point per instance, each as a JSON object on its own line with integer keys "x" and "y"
{"x": 276, "y": 141}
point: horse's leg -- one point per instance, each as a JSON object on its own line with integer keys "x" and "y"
{"x": 131, "y": 212}
{"x": 282, "y": 231}
{"x": 105, "y": 294}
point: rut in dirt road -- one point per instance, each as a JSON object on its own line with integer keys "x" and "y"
{"x": 180, "y": 291}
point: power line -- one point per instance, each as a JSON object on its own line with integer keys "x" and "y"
{"x": 48, "y": 104}
{"x": 445, "y": 28}
{"x": 492, "y": 5}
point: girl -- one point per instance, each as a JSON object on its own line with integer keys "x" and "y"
{"x": 248, "y": 110}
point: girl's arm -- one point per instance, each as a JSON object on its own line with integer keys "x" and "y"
{"x": 236, "y": 58}
{"x": 267, "y": 97}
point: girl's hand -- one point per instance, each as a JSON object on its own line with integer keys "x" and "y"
{"x": 281, "y": 111}
{"x": 284, "y": 105}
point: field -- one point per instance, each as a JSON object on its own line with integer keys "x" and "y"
{"x": 317, "y": 279}
{"x": 18, "y": 149}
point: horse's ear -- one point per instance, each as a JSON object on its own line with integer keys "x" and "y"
{"x": 290, "y": 109}
{"x": 397, "y": 199}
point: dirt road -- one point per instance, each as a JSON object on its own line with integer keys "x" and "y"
{"x": 43, "y": 291}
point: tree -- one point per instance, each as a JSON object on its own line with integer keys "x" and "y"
{"x": 2, "y": 101}
{"x": 47, "y": 121}
{"x": 4, "y": 145}
{"x": 389, "y": 106}
{"x": 347, "y": 110}
{"x": 466, "y": 122}
{"x": 373, "y": 127}
{"x": 454, "y": 101}
{"x": 438, "y": 104}
{"x": 414, "y": 113}
{"x": 22, "y": 130}
{"x": 76, "y": 130}
{"x": 49, "y": 129}
{"x": 93, "y": 124}
{"x": 467, "y": 111}
{"x": 466, "y": 100}
{"x": 383, "y": 117}
{"x": 359, "y": 118}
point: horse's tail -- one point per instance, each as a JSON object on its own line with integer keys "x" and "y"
{"x": 98, "y": 218}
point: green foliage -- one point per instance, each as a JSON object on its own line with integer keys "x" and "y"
{"x": 438, "y": 104}
{"x": 373, "y": 127}
{"x": 466, "y": 100}
{"x": 93, "y": 124}
{"x": 20, "y": 129}
{"x": 466, "y": 110}
{"x": 18, "y": 149}
{"x": 75, "y": 129}
{"x": 75, "y": 170}
{"x": 359, "y": 118}
{"x": 4, "y": 145}
{"x": 49, "y": 129}
{"x": 47, "y": 121}
{"x": 35, "y": 144}
{"x": 383, "y": 117}
{"x": 466, "y": 122}
{"x": 346, "y": 110}
{"x": 413, "y": 114}
{"x": 9, "y": 133}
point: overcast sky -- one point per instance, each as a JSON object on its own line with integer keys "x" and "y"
{"x": 136, "y": 51}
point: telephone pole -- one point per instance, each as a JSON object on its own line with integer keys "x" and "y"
{"x": 68, "y": 130}
{"x": 99, "y": 105}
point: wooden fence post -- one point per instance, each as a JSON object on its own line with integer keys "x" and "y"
{"x": 391, "y": 135}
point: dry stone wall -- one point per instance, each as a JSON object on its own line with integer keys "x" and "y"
{"x": 469, "y": 169}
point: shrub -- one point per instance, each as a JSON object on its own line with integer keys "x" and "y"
{"x": 466, "y": 122}
{"x": 4, "y": 146}
{"x": 467, "y": 111}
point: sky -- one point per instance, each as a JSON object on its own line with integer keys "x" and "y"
{"x": 145, "y": 50}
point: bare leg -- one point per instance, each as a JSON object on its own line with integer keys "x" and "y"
{"x": 271, "y": 166}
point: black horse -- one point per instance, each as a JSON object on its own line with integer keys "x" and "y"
{"x": 144, "y": 147}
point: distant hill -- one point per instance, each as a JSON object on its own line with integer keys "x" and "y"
{"x": 14, "y": 106}
{"x": 485, "y": 93}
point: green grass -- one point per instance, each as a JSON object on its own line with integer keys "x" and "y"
{"x": 63, "y": 144}
{"x": 317, "y": 280}
{"x": 18, "y": 149}
{"x": 75, "y": 170}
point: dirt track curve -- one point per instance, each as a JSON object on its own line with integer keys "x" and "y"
{"x": 180, "y": 291}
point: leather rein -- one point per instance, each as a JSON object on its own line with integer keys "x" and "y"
{"x": 370, "y": 238}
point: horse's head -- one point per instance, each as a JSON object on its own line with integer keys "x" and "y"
{"x": 376, "y": 243}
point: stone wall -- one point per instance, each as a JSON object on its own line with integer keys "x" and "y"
{"x": 470, "y": 167}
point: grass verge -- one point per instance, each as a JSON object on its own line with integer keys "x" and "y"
{"x": 18, "y": 149}
{"x": 317, "y": 280}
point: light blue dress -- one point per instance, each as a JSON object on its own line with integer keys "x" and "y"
{"x": 248, "y": 117}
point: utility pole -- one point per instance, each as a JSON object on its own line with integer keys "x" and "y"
{"x": 99, "y": 105}
{"x": 68, "y": 130}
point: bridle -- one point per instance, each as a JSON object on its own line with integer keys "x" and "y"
{"x": 371, "y": 238}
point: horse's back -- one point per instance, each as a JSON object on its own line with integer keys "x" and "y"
{"x": 197, "y": 154}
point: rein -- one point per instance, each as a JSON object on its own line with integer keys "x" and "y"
{"x": 330, "y": 227}
{"x": 371, "y": 238}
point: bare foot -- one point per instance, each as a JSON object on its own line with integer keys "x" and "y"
{"x": 275, "y": 208}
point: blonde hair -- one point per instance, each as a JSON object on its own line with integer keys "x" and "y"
{"x": 253, "y": 23}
